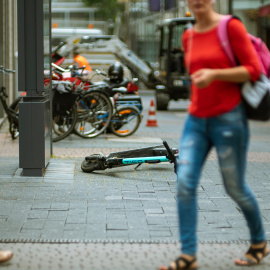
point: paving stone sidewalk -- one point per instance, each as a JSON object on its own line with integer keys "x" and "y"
{"x": 121, "y": 218}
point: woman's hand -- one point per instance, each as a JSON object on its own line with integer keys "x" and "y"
{"x": 203, "y": 77}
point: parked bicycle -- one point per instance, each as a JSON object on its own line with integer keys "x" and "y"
{"x": 64, "y": 109}
{"x": 94, "y": 110}
{"x": 154, "y": 154}
{"x": 12, "y": 111}
{"x": 125, "y": 118}
{"x": 89, "y": 110}
{"x": 126, "y": 104}
{"x": 97, "y": 110}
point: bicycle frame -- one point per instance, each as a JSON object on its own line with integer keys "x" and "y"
{"x": 127, "y": 102}
{"x": 10, "y": 113}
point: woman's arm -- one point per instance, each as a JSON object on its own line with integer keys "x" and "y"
{"x": 243, "y": 48}
{"x": 249, "y": 68}
{"x": 204, "y": 77}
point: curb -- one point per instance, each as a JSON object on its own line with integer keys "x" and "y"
{"x": 116, "y": 241}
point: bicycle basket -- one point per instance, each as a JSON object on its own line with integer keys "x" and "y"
{"x": 63, "y": 100}
{"x": 62, "y": 86}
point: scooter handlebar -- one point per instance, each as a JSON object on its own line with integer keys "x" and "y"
{"x": 170, "y": 155}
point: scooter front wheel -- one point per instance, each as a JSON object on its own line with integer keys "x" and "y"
{"x": 89, "y": 167}
{"x": 92, "y": 163}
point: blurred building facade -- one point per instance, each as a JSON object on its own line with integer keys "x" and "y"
{"x": 74, "y": 14}
{"x": 8, "y": 46}
{"x": 143, "y": 16}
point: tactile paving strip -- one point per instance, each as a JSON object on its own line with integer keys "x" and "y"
{"x": 120, "y": 256}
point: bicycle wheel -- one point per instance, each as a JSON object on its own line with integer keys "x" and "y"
{"x": 15, "y": 104}
{"x": 125, "y": 121}
{"x": 14, "y": 121}
{"x": 63, "y": 123}
{"x": 94, "y": 114}
{"x": 13, "y": 129}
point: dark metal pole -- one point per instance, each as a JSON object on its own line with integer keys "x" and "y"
{"x": 34, "y": 117}
{"x": 230, "y": 7}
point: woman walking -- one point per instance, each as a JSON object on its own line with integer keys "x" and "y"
{"x": 216, "y": 119}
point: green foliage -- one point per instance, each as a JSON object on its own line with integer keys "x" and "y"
{"x": 107, "y": 9}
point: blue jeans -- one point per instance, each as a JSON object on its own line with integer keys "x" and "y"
{"x": 229, "y": 134}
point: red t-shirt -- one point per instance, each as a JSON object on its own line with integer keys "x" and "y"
{"x": 203, "y": 50}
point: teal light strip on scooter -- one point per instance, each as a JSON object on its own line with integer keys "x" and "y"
{"x": 140, "y": 160}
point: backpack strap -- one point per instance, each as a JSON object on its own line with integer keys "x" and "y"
{"x": 224, "y": 38}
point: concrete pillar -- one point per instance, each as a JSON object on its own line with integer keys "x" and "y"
{"x": 35, "y": 109}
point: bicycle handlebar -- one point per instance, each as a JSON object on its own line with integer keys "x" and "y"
{"x": 60, "y": 68}
{"x": 74, "y": 67}
{"x": 100, "y": 72}
{"x": 6, "y": 70}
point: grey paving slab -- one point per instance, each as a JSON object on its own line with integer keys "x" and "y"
{"x": 121, "y": 204}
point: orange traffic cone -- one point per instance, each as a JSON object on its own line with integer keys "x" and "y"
{"x": 152, "y": 121}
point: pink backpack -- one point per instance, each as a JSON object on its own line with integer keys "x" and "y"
{"x": 259, "y": 46}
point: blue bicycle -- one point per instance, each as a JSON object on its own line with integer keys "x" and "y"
{"x": 154, "y": 154}
{"x": 99, "y": 112}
